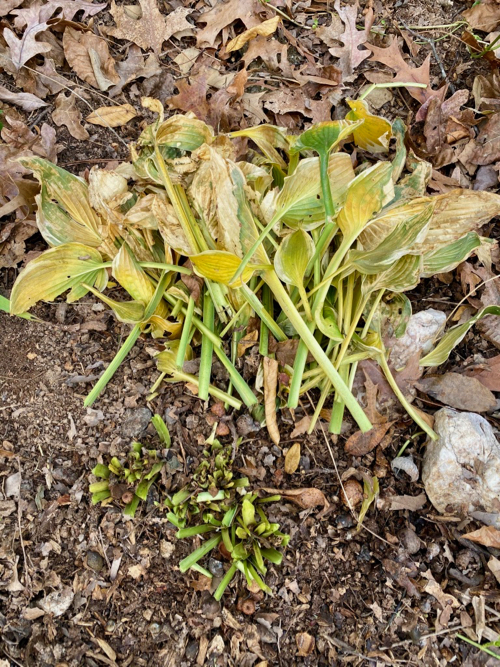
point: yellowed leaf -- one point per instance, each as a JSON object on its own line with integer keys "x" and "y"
{"x": 112, "y": 116}
{"x": 220, "y": 266}
{"x": 249, "y": 341}
{"x": 264, "y": 29}
{"x": 270, "y": 382}
{"x": 374, "y": 133}
{"x": 292, "y": 458}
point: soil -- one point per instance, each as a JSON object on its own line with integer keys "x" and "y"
{"x": 341, "y": 595}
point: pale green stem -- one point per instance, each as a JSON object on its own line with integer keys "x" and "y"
{"x": 281, "y": 295}
{"x": 186, "y": 334}
{"x": 207, "y": 348}
{"x": 128, "y": 344}
{"x": 222, "y": 396}
{"x": 263, "y": 314}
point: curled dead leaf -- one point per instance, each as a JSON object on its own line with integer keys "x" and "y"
{"x": 305, "y": 498}
{"x": 67, "y": 113}
{"x": 305, "y": 644}
{"x": 361, "y": 443}
{"x": 292, "y": 458}
{"x": 270, "y": 382}
{"x": 115, "y": 116}
{"x": 264, "y": 29}
{"x": 352, "y": 493}
{"x": 89, "y": 56}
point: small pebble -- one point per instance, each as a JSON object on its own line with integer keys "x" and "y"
{"x": 110, "y": 627}
{"x": 411, "y": 541}
{"x": 191, "y": 650}
{"x": 305, "y": 463}
{"x": 344, "y": 521}
{"x": 135, "y": 422}
{"x": 246, "y": 425}
{"x": 216, "y": 567}
{"x": 95, "y": 561}
{"x": 210, "y": 608}
{"x": 154, "y": 629}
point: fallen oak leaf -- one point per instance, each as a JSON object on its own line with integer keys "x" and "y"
{"x": 458, "y": 391}
{"x": 26, "y": 101}
{"x": 115, "y": 116}
{"x": 361, "y": 443}
{"x": 483, "y": 16}
{"x": 411, "y": 503}
{"x": 488, "y": 536}
{"x": 270, "y": 382}
{"x": 151, "y": 29}
{"x": 264, "y": 29}
{"x": 391, "y": 56}
{"x": 222, "y": 15}
{"x": 67, "y": 113}
{"x": 135, "y": 67}
{"x": 350, "y": 55}
{"x": 89, "y": 56}
{"x": 488, "y": 374}
{"x": 305, "y": 498}
{"x": 25, "y": 48}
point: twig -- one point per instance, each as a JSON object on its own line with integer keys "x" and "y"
{"x": 27, "y": 579}
{"x": 430, "y": 41}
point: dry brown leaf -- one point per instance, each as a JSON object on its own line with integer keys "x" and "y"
{"x": 222, "y": 15}
{"x": 494, "y": 566}
{"x": 433, "y": 588}
{"x": 268, "y": 50}
{"x": 135, "y": 67}
{"x": 411, "y": 503}
{"x": 458, "y": 391}
{"x": 270, "y": 383}
{"x": 488, "y": 142}
{"x": 361, "y": 443}
{"x": 66, "y": 113}
{"x": 264, "y": 29}
{"x": 292, "y": 100}
{"x": 247, "y": 342}
{"x": 305, "y": 644}
{"x": 350, "y": 55}
{"x": 26, "y": 101}
{"x": 292, "y": 458}
{"x": 483, "y": 16}
{"x": 391, "y": 56}
{"x": 6, "y": 6}
{"x": 486, "y": 535}
{"x": 35, "y": 19}
{"x": 89, "y": 56}
{"x": 305, "y": 498}
{"x": 488, "y": 373}
{"x": 112, "y": 116}
{"x": 152, "y": 28}
{"x": 301, "y": 426}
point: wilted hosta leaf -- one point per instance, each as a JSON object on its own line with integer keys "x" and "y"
{"x": 367, "y": 194}
{"x": 300, "y": 203}
{"x": 106, "y": 192}
{"x": 394, "y": 246}
{"x": 324, "y": 137}
{"x": 69, "y": 191}
{"x": 184, "y": 132}
{"x": 218, "y": 192}
{"x": 167, "y": 360}
{"x": 450, "y": 256}
{"x": 453, "y": 337}
{"x": 57, "y": 227}
{"x": 129, "y": 312}
{"x": 456, "y": 213}
{"x": 112, "y": 116}
{"x": 402, "y": 276}
{"x": 170, "y": 227}
{"x": 327, "y": 322}
{"x": 268, "y": 138}
{"x": 264, "y": 29}
{"x": 54, "y": 272}
{"x": 220, "y": 266}
{"x": 292, "y": 257}
{"x": 132, "y": 277}
{"x": 374, "y": 133}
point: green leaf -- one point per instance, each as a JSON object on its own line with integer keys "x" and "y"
{"x": 300, "y": 202}
{"x": 453, "y": 337}
{"x": 395, "y": 245}
{"x": 272, "y": 555}
{"x": 402, "y": 276}
{"x": 129, "y": 312}
{"x": 293, "y": 256}
{"x": 450, "y": 256}
{"x": 70, "y": 192}
{"x": 56, "y": 270}
{"x": 226, "y": 580}
{"x": 324, "y": 137}
{"x": 161, "y": 429}
{"x": 101, "y": 470}
{"x": 198, "y": 554}
{"x": 248, "y": 513}
{"x": 327, "y": 322}
{"x": 194, "y": 530}
{"x": 58, "y": 227}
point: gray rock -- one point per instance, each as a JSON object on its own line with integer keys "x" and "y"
{"x": 135, "y": 422}
{"x": 57, "y": 603}
{"x": 420, "y": 333}
{"x": 411, "y": 541}
{"x": 461, "y": 470}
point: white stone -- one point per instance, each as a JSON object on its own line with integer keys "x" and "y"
{"x": 421, "y": 331}
{"x": 461, "y": 470}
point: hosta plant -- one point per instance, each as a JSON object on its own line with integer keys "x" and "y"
{"x": 217, "y": 503}
{"x": 128, "y": 482}
{"x": 320, "y": 245}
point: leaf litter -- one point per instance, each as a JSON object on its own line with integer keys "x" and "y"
{"x": 309, "y": 102}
